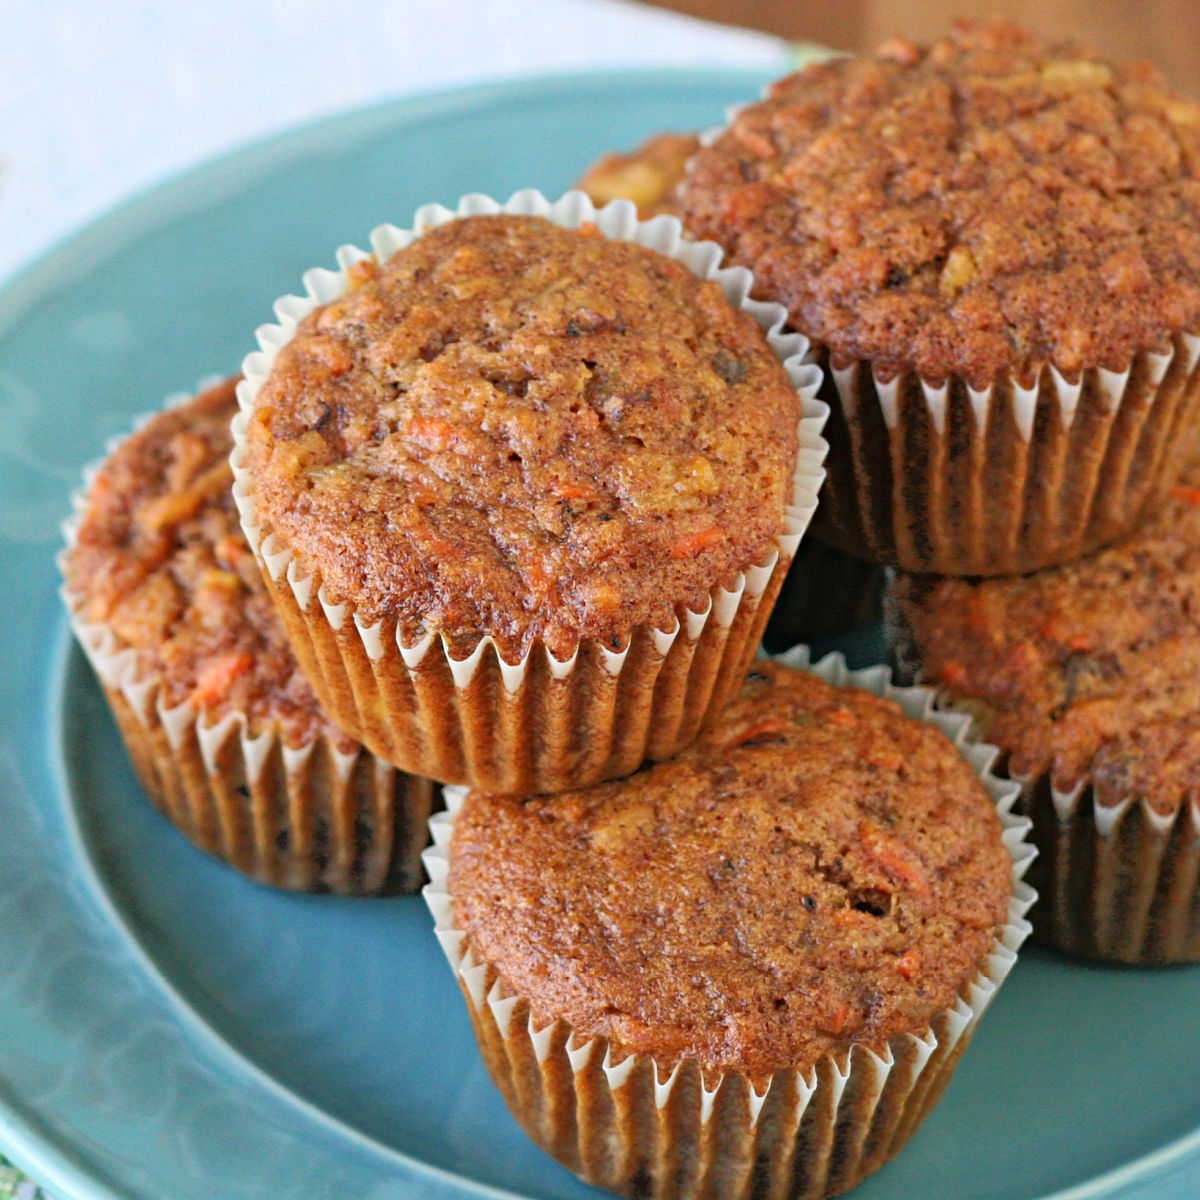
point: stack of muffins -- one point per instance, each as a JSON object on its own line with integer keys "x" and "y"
{"x": 518, "y": 489}
{"x": 994, "y": 243}
{"x": 1007, "y": 302}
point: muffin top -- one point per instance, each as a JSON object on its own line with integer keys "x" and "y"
{"x": 647, "y": 175}
{"x": 1090, "y": 671}
{"x": 524, "y": 431}
{"x": 988, "y": 204}
{"x": 819, "y": 870}
{"x": 161, "y": 560}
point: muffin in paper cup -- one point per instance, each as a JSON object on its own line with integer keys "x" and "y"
{"x": 483, "y": 698}
{"x": 1085, "y": 676}
{"x": 668, "y": 1122}
{"x": 982, "y": 239}
{"x": 225, "y": 735}
{"x": 648, "y": 175}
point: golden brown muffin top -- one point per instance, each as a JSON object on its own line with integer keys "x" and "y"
{"x": 516, "y": 429}
{"x": 161, "y": 560}
{"x": 1090, "y": 671}
{"x": 647, "y": 175}
{"x": 987, "y": 204}
{"x": 819, "y": 870}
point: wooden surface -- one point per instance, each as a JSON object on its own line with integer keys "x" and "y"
{"x": 1164, "y": 31}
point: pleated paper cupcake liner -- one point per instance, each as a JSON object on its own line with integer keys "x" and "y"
{"x": 323, "y": 815}
{"x": 1010, "y": 479}
{"x": 671, "y": 1130}
{"x": 1116, "y": 882}
{"x": 541, "y": 723}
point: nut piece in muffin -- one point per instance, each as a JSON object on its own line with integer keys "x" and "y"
{"x": 517, "y": 435}
{"x": 818, "y": 876}
{"x": 1086, "y": 677}
{"x": 170, "y": 603}
{"x": 982, "y": 236}
{"x": 647, "y": 175}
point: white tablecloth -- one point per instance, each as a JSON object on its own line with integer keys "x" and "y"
{"x": 103, "y": 98}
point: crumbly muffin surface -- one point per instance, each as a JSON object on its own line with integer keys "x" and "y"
{"x": 988, "y": 204}
{"x": 519, "y": 430}
{"x": 161, "y": 560}
{"x": 647, "y": 175}
{"x": 1088, "y": 671}
{"x": 819, "y": 870}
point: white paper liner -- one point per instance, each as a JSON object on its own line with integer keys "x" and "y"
{"x": 660, "y": 1130}
{"x": 1012, "y": 478}
{"x": 1116, "y": 882}
{"x": 310, "y": 817}
{"x": 504, "y": 726}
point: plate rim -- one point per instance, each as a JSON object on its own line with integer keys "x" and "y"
{"x": 20, "y": 287}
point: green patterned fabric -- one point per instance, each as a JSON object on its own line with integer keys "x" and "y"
{"x": 14, "y": 1185}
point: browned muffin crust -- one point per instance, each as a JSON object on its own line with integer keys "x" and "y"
{"x": 987, "y": 204}
{"x": 647, "y": 175}
{"x": 515, "y": 429}
{"x": 819, "y": 870}
{"x": 1088, "y": 671}
{"x": 161, "y": 560}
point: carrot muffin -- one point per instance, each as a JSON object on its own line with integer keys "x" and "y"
{"x": 225, "y": 733}
{"x": 809, "y": 890}
{"x": 994, "y": 242}
{"x": 648, "y": 175}
{"x": 561, "y": 454}
{"x": 825, "y": 591}
{"x": 1088, "y": 678}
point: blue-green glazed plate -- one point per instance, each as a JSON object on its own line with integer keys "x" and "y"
{"x": 170, "y": 1031}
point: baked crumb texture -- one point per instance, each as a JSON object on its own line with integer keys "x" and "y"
{"x": 647, "y": 175}
{"x": 1086, "y": 678}
{"x": 225, "y": 732}
{"x": 995, "y": 242}
{"x": 523, "y": 493}
{"x": 825, "y": 590}
{"x": 748, "y": 971}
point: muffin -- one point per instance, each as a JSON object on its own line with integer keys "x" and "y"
{"x": 524, "y": 488}
{"x": 224, "y": 731}
{"x": 1088, "y": 679}
{"x": 993, "y": 244}
{"x": 749, "y": 971}
{"x": 825, "y": 591}
{"x": 647, "y": 175}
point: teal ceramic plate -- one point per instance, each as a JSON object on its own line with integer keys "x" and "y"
{"x": 169, "y": 1031}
